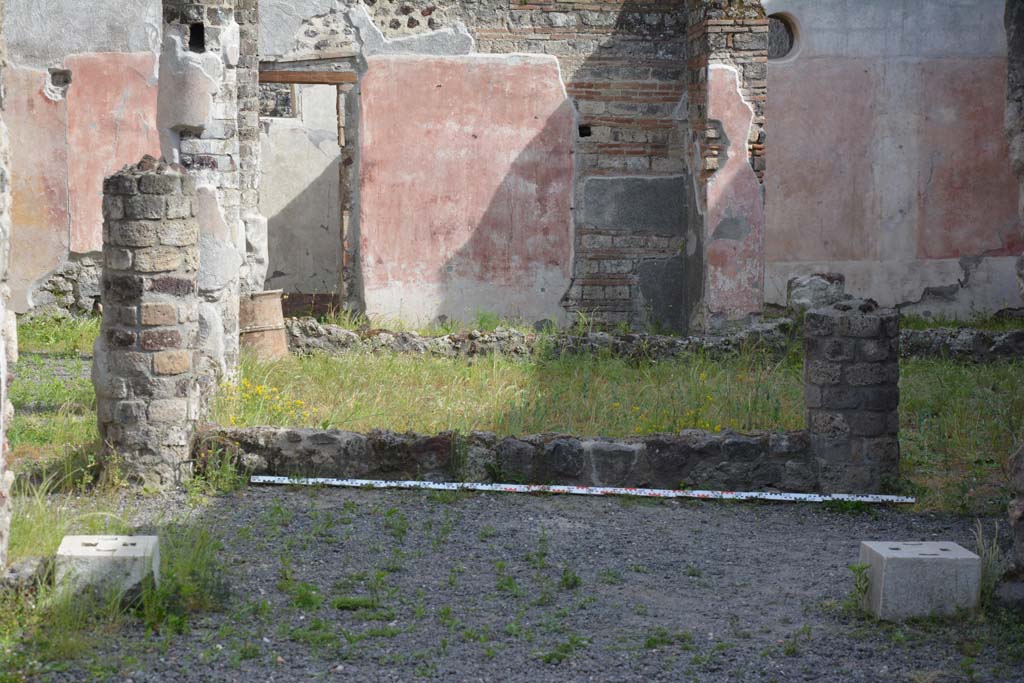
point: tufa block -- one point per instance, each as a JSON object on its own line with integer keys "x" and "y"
{"x": 910, "y": 579}
{"x": 107, "y": 563}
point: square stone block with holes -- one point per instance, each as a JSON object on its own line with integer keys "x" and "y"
{"x": 920, "y": 579}
{"x": 107, "y": 563}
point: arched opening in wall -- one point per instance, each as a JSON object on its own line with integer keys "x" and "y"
{"x": 306, "y": 162}
{"x": 782, "y": 36}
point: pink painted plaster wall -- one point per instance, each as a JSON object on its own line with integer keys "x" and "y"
{"x": 111, "y": 123}
{"x": 39, "y": 180}
{"x": 62, "y": 149}
{"x": 735, "y": 208}
{"x": 466, "y": 186}
{"x": 887, "y": 157}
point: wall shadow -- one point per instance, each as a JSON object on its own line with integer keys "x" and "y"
{"x": 635, "y": 261}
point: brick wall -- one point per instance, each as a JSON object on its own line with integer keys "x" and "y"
{"x": 733, "y": 32}
{"x": 624, "y": 66}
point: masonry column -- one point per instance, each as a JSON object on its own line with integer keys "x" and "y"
{"x": 727, "y": 91}
{"x": 147, "y": 391}
{"x": 198, "y": 117}
{"x": 6, "y": 478}
{"x": 851, "y": 374}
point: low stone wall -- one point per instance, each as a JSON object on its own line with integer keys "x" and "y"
{"x": 306, "y": 335}
{"x": 964, "y": 344}
{"x": 690, "y": 459}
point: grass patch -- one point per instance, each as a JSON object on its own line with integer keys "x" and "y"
{"x": 58, "y": 336}
{"x": 584, "y": 395}
{"x": 959, "y": 421}
{"x": 990, "y": 323}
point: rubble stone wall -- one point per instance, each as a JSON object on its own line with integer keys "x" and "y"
{"x": 145, "y": 372}
{"x": 691, "y": 459}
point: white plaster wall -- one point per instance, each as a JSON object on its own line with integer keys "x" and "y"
{"x": 40, "y": 33}
{"x": 300, "y": 194}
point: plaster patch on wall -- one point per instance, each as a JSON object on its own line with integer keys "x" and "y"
{"x": 987, "y": 285}
{"x": 281, "y": 20}
{"x": 188, "y": 82}
{"x": 473, "y": 210}
{"x": 735, "y": 264}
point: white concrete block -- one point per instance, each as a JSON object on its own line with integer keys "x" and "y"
{"x": 107, "y": 562}
{"x": 920, "y": 579}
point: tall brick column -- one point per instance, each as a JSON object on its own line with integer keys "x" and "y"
{"x": 147, "y": 389}
{"x": 727, "y": 89}
{"x": 5, "y": 244}
{"x": 851, "y": 375}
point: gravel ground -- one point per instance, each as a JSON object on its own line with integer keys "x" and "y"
{"x": 482, "y": 588}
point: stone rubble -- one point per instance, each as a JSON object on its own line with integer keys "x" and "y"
{"x": 307, "y": 335}
{"x": 814, "y": 291}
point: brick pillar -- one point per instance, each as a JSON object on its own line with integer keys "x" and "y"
{"x": 5, "y": 235}
{"x": 727, "y": 89}
{"x": 851, "y": 375}
{"x": 147, "y": 389}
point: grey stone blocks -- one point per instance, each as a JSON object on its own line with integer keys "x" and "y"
{"x": 144, "y": 373}
{"x": 918, "y": 580}
{"x": 851, "y": 376}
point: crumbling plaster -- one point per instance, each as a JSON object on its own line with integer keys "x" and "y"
{"x": 888, "y": 160}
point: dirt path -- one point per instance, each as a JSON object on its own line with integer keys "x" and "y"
{"x": 393, "y": 586}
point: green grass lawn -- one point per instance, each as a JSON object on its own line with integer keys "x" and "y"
{"x": 960, "y": 422}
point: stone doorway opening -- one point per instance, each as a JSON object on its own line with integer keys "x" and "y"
{"x": 307, "y": 125}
